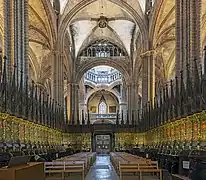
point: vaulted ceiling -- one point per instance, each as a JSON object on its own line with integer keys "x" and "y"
{"x": 164, "y": 41}
{"x": 40, "y": 41}
{"x": 84, "y": 27}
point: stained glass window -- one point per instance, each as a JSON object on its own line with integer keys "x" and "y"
{"x": 102, "y": 108}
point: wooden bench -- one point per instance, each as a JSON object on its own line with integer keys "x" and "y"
{"x": 133, "y": 164}
{"x": 54, "y": 168}
{"x": 77, "y": 163}
{"x": 75, "y": 167}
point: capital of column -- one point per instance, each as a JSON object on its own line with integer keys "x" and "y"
{"x": 55, "y": 52}
{"x": 131, "y": 83}
{"x": 147, "y": 53}
{"x": 123, "y": 104}
{"x": 73, "y": 84}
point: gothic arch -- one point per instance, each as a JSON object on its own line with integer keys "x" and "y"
{"x": 122, "y": 67}
{"x": 87, "y": 42}
{"x": 96, "y": 90}
{"x": 138, "y": 19}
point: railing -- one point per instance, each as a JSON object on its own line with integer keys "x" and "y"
{"x": 103, "y": 116}
{"x": 103, "y": 78}
{"x": 83, "y": 58}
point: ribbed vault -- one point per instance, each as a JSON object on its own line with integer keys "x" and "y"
{"x": 163, "y": 36}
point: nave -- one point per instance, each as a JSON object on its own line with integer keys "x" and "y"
{"x": 82, "y": 78}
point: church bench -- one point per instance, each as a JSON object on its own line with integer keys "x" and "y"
{"x": 139, "y": 167}
{"x": 126, "y": 163}
{"x": 75, "y": 167}
{"x": 54, "y": 168}
{"x": 77, "y": 163}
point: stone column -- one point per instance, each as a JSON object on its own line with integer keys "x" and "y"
{"x": 54, "y": 74}
{"x": 195, "y": 25}
{"x": 145, "y": 80}
{"x": 18, "y": 51}
{"x": 178, "y": 35}
{"x": 132, "y": 95}
{"x": 148, "y": 77}
{"x": 82, "y": 107}
{"x": 187, "y": 34}
{"x": 152, "y": 76}
{"x": 123, "y": 107}
{"x": 129, "y": 97}
{"x": 8, "y": 29}
{"x": 58, "y": 77}
{"x": 69, "y": 102}
{"x": 73, "y": 102}
{"x": 73, "y": 107}
{"x": 26, "y": 39}
{"x": 17, "y": 37}
{"x": 135, "y": 100}
{"x": 77, "y": 103}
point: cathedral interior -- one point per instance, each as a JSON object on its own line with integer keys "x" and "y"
{"x": 103, "y": 89}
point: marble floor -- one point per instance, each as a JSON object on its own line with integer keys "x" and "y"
{"x": 102, "y": 169}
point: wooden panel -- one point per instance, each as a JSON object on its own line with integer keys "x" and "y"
{"x": 32, "y": 171}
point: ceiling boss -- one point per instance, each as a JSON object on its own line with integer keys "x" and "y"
{"x": 102, "y": 22}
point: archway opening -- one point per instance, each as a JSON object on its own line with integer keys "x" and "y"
{"x": 101, "y": 94}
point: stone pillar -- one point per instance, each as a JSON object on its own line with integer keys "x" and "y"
{"x": 16, "y": 36}
{"x": 135, "y": 100}
{"x": 26, "y": 39}
{"x": 145, "y": 80}
{"x": 195, "y": 25}
{"x": 148, "y": 77}
{"x": 22, "y": 37}
{"x": 123, "y": 93}
{"x": 77, "y": 102}
{"x": 152, "y": 76}
{"x": 187, "y": 34}
{"x": 73, "y": 107}
{"x": 178, "y": 35}
{"x": 73, "y": 102}
{"x": 123, "y": 107}
{"x": 58, "y": 77}
{"x": 69, "y": 102}
{"x": 129, "y": 97}
{"x": 54, "y": 74}
{"x": 82, "y": 107}
{"x": 8, "y": 29}
{"x": 132, "y": 94}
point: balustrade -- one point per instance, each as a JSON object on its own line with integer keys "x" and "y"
{"x": 103, "y": 116}
{"x": 103, "y": 49}
{"x": 103, "y": 78}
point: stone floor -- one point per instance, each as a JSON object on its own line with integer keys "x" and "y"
{"x": 102, "y": 170}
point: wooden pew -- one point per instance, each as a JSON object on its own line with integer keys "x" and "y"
{"x": 54, "y": 168}
{"x": 133, "y": 164}
{"x": 75, "y": 167}
{"x": 77, "y": 163}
